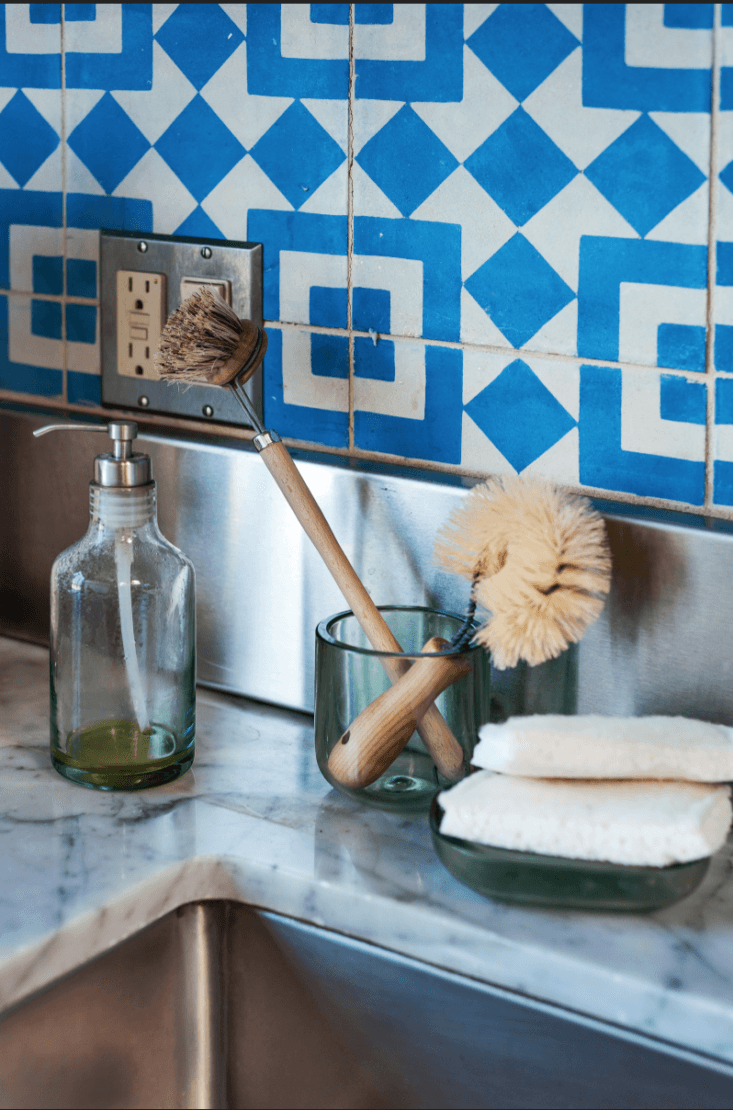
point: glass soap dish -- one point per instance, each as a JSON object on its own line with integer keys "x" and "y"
{"x": 531, "y": 879}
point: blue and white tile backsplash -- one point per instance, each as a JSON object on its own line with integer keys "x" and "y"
{"x": 489, "y": 238}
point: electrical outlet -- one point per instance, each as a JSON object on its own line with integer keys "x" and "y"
{"x": 179, "y": 265}
{"x": 140, "y": 307}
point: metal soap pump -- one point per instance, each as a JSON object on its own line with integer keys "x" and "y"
{"x": 123, "y": 662}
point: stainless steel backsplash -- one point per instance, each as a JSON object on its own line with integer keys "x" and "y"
{"x": 663, "y": 644}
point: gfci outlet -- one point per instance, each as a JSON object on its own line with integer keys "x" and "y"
{"x": 140, "y": 310}
{"x": 144, "y": 278}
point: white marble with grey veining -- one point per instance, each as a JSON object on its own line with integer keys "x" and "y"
{"x": 254, "y": 821}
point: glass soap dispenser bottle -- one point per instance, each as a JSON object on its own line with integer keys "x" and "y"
{"x": 123, "y": 662}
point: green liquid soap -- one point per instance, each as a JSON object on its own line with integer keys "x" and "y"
{"x": 119, "y": 755}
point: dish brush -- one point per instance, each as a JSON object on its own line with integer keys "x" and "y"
{"x": 204, "y": 341}
{"x": 539, "y": 563}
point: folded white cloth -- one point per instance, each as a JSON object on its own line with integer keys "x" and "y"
{"x": 644, "y": 823}
{"x": 595, "y": 747}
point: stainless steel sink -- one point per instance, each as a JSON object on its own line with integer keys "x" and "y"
{"x": 220, "y": 1005}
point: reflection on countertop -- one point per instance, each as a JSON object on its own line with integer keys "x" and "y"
{"x": 255, "y": 822}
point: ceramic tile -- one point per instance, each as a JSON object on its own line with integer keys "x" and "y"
{"x": 31, "y": 345}
{"x": 568, "y": 170}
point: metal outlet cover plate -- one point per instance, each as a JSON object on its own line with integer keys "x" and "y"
{"x": 178, "y": 257}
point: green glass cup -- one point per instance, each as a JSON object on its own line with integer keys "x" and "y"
{"x": 350, "y": 675}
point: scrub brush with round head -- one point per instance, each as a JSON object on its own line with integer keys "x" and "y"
{"x": 539, "y": 561}
{"x": 205, "y": 342}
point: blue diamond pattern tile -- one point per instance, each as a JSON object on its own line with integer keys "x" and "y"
{"x": 199, "y": 38}
{"x": 644, "y": 175}
{"x": 108, "y": 143}
{"x": 198, "y": 223}
{"x": 26, "y": 139}
{"x": 407, "y": 160}
{"x": 522, "y": 44}
{"x": 199, "y": 148}
{"x": 519, "y": 290}
{"x": 520, "y": 167}
{"x": 297, "y": 154}
{"x": 519, "y": 415}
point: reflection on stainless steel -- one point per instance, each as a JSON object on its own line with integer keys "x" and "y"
{"x": 278, "y": 1013}
{"x": 663, "y": 644}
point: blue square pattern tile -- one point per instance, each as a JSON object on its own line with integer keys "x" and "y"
{"x": 723, "y": 468}
{"x": 81, "y": 277}
{"x": 81, "y": 323}
{"x": 374, "y": 360}
{"x": 46, "y": 319}
{"x": 653, "y": 444}
{"x": 48, "y": 274}
{"x": 107, "y": 46}
{"x": 407, "y": 400}
{"x": 372, "y": 310}
{"x": 681, "y": 346}
{"x": 328, "y": 306}
{"x": 329, "y": 356}
{"x": 31, "y": 351}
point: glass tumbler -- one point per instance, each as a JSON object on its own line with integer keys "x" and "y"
{"x": 350, "y": 675}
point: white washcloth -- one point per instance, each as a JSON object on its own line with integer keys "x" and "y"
{"x": 595, "y": 747}
{"x": 643, "y": 823}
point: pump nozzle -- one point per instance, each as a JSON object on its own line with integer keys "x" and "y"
{"x": 120, "y": 467}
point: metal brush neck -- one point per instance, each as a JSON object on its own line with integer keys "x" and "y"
{"x": 239, "y": 392}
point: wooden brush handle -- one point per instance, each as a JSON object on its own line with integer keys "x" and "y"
{"x": 378, "y": 735}
{"x": 444, "y": 749}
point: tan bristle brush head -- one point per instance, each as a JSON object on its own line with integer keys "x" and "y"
{"x": 540, "y": 563}
{"x": 205, "y": 341}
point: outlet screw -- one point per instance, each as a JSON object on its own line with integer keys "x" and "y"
{"x": 207, "y": 410}
{"x": 206, "y": 252}
{"x": 143, "y": 402}
{"x": 142, "y": 246}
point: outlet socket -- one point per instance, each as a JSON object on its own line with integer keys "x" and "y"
{"x": 140, "y": 307}
{"x": 235, "y": 268}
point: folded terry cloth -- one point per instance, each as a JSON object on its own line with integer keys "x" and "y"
{"x": 644, "y": 823}
{"x": 595, "y": 747}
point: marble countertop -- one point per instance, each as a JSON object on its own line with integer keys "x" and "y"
{"x": 254, "y": 821}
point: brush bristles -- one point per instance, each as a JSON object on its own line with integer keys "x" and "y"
{"x": 199, "y": 338}
{"x": 540, "y": 561}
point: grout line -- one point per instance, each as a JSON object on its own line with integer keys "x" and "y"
{"x": 70, "y": 297}
{"x": 64, "y": 351}
{"x": 508, "y": 352}
{"x": 712, "y": 265}
{"x": 233, "y": 432}
{"x": 350, "y": 225}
